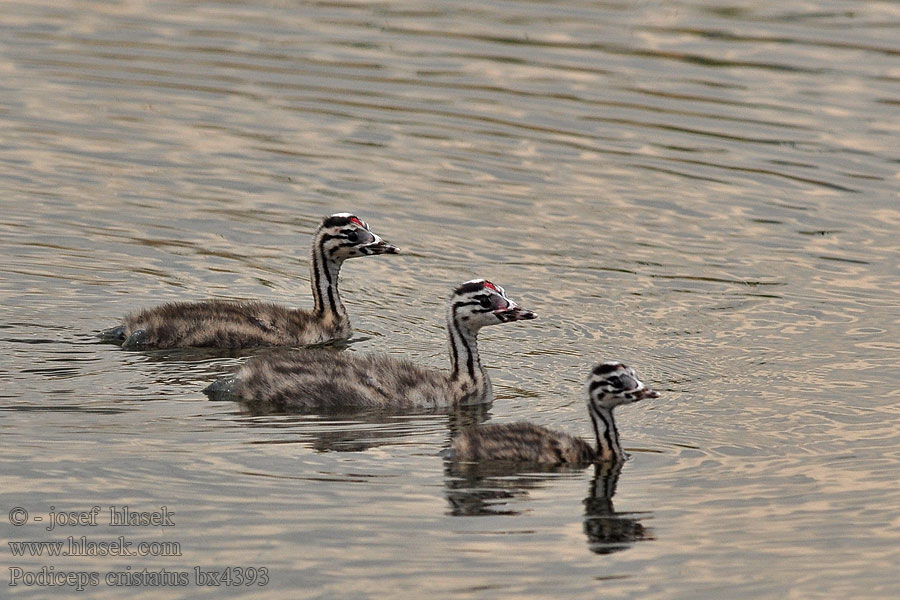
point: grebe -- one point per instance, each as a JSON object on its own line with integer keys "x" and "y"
{"x": 225, "y": 324}
{"x": 609, "y": 385}
{"x": 332, "y": 382}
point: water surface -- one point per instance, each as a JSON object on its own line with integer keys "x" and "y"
{"x": 707, "y": 192}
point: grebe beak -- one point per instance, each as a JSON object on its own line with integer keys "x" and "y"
{"x": 379, "y": 246}
{"x": 514, "y": 313}
{"x": 644, "y": 393}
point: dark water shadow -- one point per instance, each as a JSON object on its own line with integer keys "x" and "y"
{"x": 64, "y": 408}
{"x": 196, "y": 368}
{"x": 491, "y": 489}
{"x": 355, "y": 431}
{"x": 606, "y": 529}
{"x": 188, "y": 355}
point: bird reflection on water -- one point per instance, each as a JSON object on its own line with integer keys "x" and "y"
{"x": 498, "y": 489}
{"x": 609, "y": 531}
{"x": 354, "y": 431}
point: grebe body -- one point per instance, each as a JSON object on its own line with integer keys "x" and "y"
{"x": 225, "y": 324}
{"x": 335, "y": 382}
{"x": 609, "y": 385}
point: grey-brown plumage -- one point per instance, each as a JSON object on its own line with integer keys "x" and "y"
{"x": 609, "y": 385}
{"x": 224, "y": 324}
{"x": 333, "y": 382}
{"x": 520, "y": 442}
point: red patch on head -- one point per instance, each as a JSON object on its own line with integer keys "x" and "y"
{"x": 357, "y": 221}
{"x": 491, "y": 286}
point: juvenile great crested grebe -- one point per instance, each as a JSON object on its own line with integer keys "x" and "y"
{"x": 225, "y": 324}
{"x": 327, "y": 381}
{"x": 609, "y": 385}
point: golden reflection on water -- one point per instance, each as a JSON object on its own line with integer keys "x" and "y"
{"x": 708, "y": 193}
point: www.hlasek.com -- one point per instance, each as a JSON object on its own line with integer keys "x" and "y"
{"x": 199, "y": 576}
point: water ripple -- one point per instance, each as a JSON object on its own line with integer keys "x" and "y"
{"x": 705, "y": 191}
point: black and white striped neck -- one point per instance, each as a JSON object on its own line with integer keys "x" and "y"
{"x": 324, "y": 272}
{"x": 466, "y": 369}
{"x": 608, "y": 446}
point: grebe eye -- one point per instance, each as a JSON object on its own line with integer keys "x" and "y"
{"x": 486, "y": 302}
{"x": 353, "y": 236}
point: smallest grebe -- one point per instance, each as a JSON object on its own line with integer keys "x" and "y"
{"x": 609, "y": 385}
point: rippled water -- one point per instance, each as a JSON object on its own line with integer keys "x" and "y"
{"x": 707, "y": 191}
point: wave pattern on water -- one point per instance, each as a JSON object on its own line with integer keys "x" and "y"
{"x": 707, "y": 192}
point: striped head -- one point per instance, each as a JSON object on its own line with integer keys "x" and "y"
{"x": 343, "y": 235}
{"x": 478, "y": 303}
{"x": 611, "y": 384}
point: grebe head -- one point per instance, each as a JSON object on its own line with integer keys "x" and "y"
{"x": 478, "y": 303}
{"x": 612, "y": 383}
{"x": 344, "y": 235}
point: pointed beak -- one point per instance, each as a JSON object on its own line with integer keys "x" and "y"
{"x": 643, "y": 393}
{"x": 514, "y": 313}
{"x": 379, "y": 246}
